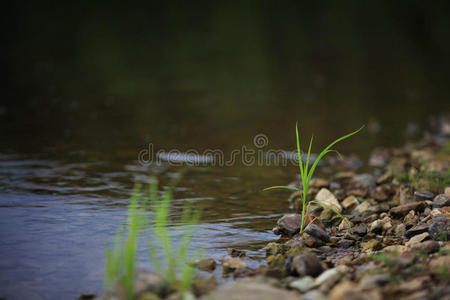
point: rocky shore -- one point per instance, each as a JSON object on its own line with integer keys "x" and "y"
{"x": 397, "y": 247}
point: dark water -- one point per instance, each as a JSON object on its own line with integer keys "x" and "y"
{"x": 88, "y": 88}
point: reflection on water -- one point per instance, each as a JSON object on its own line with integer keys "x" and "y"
{"x": 88, "y": 88}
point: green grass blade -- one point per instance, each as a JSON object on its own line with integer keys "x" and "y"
{"x": 309, "y": 153}
{"x": 282, "y": 187}
{"x": 335, "y": 211}
{"x": 299, "y": 152}
{"x": 326, "y": 150}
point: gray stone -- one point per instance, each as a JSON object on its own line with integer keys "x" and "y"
{"x": 365, "y": 181}
{"x": 416, "y": 230}
{"x": 288, "y": 224}
{"x": 441, "y": 200}
{"x": 402, "y": 210}
{"x": 440, "y": 229}
{"x": 304, "y": 265}
{"x": 360, "y": 229}
{"x": 317, "y": 232}
{"x": 326, "y": 197}
{"x": 344, "y": 243}
{"x": 427, "y": 247}
{"x": 423, "y": 195}
{"x": 365, "y": 208}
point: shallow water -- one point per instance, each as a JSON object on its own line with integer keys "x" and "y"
{"x": 91, "y": 92}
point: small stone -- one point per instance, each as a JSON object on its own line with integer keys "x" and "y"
{"x": 365, "y": 181}
{"x": 360, "y": 229}
{"x": 423, "y": 195}
{"x": 276, "y": 261}
{"x": 418, "y": 229}
{"x": 376, "y": 226}
{"x": 372, "y": 245}
{"x": 357, "y": 192}
{"x": 344, "y": 243}
{"x": 351, "y": 291}
{"x": 249, "y": 289}
{"x": 441, "y": 200}
{"x": 374, "y": 280}
{"x": 417, "y": 239}
{"x": 203, "y": 286}
{"x": 326, "y": 197}
{"x": 385, "y": 178}
{"x": 207, "y": 264}
{"x": 440, "y": 264}
{"x": 401, "y": 210}
{"x": 447, "y": 191}
{"x": 288, "y": 224}
{"x": 410, "y": 219}
{"x": 317, "y": 232}
{"x": 440, "y": 229}
{"x": 273, "y": 249}
{"x": 381, "y": 193}
{"x": 304, "y": 265}
{"x": 329, "y": 278}
{"x": 314, "y": 295}
{"x": 400, "y": 229}
{"x": 350, "y": 202}
{"x": 231, "y": 264}
{"x": 427, "y": 247}
{"x": 303, "y": 284}
{"x": 235, "y": 252}
{"x": 399, "y": 249}
{"x": 319, "y": 183}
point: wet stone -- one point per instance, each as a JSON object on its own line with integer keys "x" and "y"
{"x": 235, "y": 252}
{"x": 207, "y": 264}
{"x": 441, "y": 200}
{"x": 288, "y": 225}
{"x": 303, "y": 284}
{"x": 231, "y": 264}
{"x": 317, "y": 232}
{"x": 440, "y": 229}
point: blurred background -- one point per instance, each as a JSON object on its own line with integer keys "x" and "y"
{"x": 87, "y": 85}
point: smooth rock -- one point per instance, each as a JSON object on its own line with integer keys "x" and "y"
{"x": 441, "y": 200}
{"x": 427, "y": 247}
{"x": 423, "y": 195}
{"x": 303, "y": 284}
{"x": 402, "y": 210}
{"x": 373, "y": 245}
{"x": 440, "y": 229}
{"x": 314, "y": 295}
{"x": 231, "y": 264}
{"x": 365, "y": 208}
{"x": 416, "y": 230}
{"x": 360, "y": 229}
{"x": 326, "y": 197}
{"x": 400, "y": 229}
{"x": 317, "y": 232}
{"x": 248, "y": 289}
{"x": 307, "y": 264}
{"x": 376, "y": 226}
{"x": 417, "y": 239}
{"x": 329, "y": 278}
{"x": 288, "y": 224}
{"x": 350, "y": 202}
{"x": 348, "y": 290}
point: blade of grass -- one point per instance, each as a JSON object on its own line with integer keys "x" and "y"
{"x": 282, "y": 187}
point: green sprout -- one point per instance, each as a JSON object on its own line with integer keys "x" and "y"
{"x": 306, "y": 176}
{"x": 120, "y": 262}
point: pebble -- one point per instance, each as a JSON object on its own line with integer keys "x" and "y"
{"x": 331, "y": 276}
{"x": 365, "y": 208}
{"x": 360, "y": 229}
{"x": 372, "y": 245}
{"x": 344, "y": 243}
{"x": 417, "y": 239}
{"x": 423, "y": 195}
{"x": 427, "y": 247}
{"x": 288, "y": 225}
{"x": 441, "y": 200}
{"x": 207, "y": 264}
{"x": 317, "y": 232}
{"x": 307, "y": 264}
{"x": 417, "y": 230}
{"x": 328, "y": 198}
{"x": 231, "y": 264}
{"x": 400, "y": 229}
{"x": 303, "y": 284}
{"x": 440, "y": 229}
{"x": 350, "y": 202}
{"x": 402, "y": 210}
